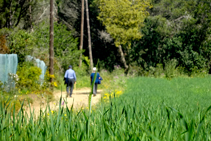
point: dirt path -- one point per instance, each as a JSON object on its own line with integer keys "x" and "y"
{"x": 79, "y": 99}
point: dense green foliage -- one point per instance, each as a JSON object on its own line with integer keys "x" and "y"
{"x": 65, "y": 46}
{"x": 177, "y": 30}
{"x": 14, "y": 12}
{"x": 36, "y": 44}
{"x": 150, "y": 109}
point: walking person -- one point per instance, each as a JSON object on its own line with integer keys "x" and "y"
{"x": 97, "y": 81}
{"x": 70, "y": 80}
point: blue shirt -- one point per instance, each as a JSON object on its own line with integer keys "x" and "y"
{"x": 97, "y": 78}
{"x": 70, "y": 74}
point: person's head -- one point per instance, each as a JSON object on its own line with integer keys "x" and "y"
{"x": 70, "y": 67}
{"x": 94, "y": 69}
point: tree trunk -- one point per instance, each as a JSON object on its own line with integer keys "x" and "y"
{"x": 82, "y": 31}
{"x": 89, "y": 37}
{"x": 123, "y": 58}
{"x": 51, "y": 51}
{"x": 30, "y": 16}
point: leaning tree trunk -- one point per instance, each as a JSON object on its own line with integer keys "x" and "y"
{"x": 123, "y": 58}
{"x": 82, "y": 31}
{"x": 89, "y": 37}
{"x": 51, "y": 51}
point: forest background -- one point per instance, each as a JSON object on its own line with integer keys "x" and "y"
{"x": 175, "y": 38}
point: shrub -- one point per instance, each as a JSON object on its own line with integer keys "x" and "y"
{"x": 29, "y": 76}
{"x": 82, "y": 71}
{"x": 113, "y": 81}
{"x": 22, "y": 43}
{"x": 46, "y": 85}
{"x": 170, "y": 68}
{"x": 196, "y": 72}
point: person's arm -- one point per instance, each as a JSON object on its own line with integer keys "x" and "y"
{"x": 65, "y": 76}
{"x": 98, "y": 76}
{"x": 74, "y": 75}
{"x": 91, "y": 78}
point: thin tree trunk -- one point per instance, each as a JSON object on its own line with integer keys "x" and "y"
{"x": 122, "y": 57}
{"x": 51, "y": 51}
{"x": 10, "y": 21}
{"x": 82, "y": 31}
{"x": 30, "y": 16}
{"x": 89, "y": 37}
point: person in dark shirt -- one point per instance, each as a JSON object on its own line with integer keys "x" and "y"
{"x": 97, "y": 81}
{"x": 70, "y": 80}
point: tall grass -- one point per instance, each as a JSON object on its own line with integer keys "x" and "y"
{"x": 150, "y": 109}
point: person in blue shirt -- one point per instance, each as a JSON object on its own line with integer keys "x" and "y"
{"x": 70, "y": 80}
{"x": 97, "y": 81}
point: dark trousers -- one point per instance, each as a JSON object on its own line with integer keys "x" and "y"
{"x": 95, "y": 89}
{"x": 70, "y": 85}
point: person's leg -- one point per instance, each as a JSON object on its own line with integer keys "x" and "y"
{"x": 67, "y": 87}
{"x": 71, "y": 87}
{"x": 94, "y": 92}
{"x": 96, "y": 88}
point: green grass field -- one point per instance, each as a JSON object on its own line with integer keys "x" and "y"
{"x": 150, "y": 109}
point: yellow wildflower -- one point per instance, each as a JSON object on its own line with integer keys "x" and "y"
{"x": 55, "y": 84}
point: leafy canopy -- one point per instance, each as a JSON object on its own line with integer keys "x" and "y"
{"x": 123, "y": 19}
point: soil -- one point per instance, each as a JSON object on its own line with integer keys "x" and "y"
{"x": 79, "y": 99}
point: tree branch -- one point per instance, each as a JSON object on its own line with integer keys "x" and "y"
{"x": 43, "y": 13}
{"x": 21, "y": 12}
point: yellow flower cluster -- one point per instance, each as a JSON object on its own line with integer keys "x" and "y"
{"x": 50, "y": 76}
{"x": 35, "y": 92}
{"x": 107, "y": 95}
{"x": 55, "y": 84}
{"x": 21, "y": 92}
{"x": 48, "y": 114}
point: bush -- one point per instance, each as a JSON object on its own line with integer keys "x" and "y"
{"x": 29, "y": 76}
{"x": 82, "y": 71}
{"x": 22, "y": 43}
{"x": 170, "y": 69}
{"x": 47, "y": 84}
{"x": 196, "y": 72}
{"x": 113, "y": 81}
